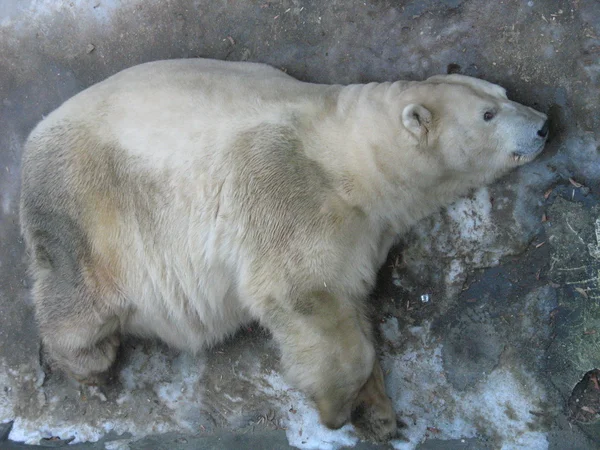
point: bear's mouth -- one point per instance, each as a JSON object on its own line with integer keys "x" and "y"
{"x": 522, "y": 157}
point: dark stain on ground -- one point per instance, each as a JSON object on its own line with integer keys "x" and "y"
{"x": 584, "y": 403}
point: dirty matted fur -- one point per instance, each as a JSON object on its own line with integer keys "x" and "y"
{"x": 181, "y": 199}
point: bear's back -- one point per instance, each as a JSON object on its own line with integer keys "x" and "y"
{"x": 141, "y": 187}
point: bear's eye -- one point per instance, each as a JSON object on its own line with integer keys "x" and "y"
{"x": 488, "y": 115}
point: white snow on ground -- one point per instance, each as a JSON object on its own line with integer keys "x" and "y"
{"x": 472, "y": 215}
{"x": 31, "y": 431}
{"x": 498, "y": 406}
{"x": 176, "y": 383}
{"x": 472, "y": 228}
{"x": 303, "y": 427}
{"x": 462, "y": 232}
{"x": 428, "y": 404}
{"x": 176, "y": 386}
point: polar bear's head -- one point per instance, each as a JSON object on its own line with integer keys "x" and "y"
{"x": 472, "y": 126}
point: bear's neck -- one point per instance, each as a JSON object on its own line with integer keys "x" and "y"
{"x": 376, "y": 163}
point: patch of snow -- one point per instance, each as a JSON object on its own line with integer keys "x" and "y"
{"x": 175, "y": 383}
{"x": 498, "y": 406}
{"x": 31, "y": 431}
{"x": 390, "y": 329}
{"x": 303, "y": 428}
{"x": 473, "y": 217}
{"x": 462, "y": 237}
{"x": 455, "y": 271}
{"x": 119, "y": 444}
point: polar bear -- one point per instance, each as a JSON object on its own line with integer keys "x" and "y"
{"x": 180, "y": 199}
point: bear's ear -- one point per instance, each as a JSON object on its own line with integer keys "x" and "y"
{"x": 416, "y": 119}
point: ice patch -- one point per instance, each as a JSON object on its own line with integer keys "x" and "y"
{"x": 455, "y": 271}
{"x": 173, "y": 381}
{"x": 172, "y": 384}
{"x": 472, "y": 216}
{"x": 120, "y": 444}
{"x": 498, "y": 407}
{"x": 456, "y": 237}
{"x": 31, "y": 431}
{"x": 303, "y": 428}
{"x": 390, "y": 329}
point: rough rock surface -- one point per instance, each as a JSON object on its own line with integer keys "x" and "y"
{"x": 488, "y": 312}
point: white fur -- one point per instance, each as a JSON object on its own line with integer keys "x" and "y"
{"x": 176, "y": 121}
{"x": 181, "y": 176}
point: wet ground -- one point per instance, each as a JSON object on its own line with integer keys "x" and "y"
{"x": 488, "y": 313}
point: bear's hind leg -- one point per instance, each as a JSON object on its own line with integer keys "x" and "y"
{"x": 86, "y": 364}
{"x": 80, "y": 332}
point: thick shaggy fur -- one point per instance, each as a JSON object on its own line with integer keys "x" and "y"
{"x": 181, "y": 199}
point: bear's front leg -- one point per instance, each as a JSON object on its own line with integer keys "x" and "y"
{"x": 372, "y": 413}
{"x": 327, "y": 351}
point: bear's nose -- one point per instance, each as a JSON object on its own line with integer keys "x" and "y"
{"x": 544, "y": 131}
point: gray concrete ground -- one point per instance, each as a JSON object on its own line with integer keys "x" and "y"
{"x": 495, "y": 359}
